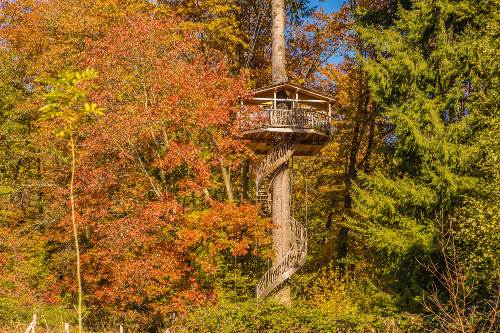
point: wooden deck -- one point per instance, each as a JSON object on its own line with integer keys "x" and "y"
{"x": 265, "y": 127}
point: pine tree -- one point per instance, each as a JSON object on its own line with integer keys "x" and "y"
{"x": 435, "y": 79}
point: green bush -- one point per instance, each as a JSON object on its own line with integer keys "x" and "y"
{"x": 269, "y": 317}
{"x": 14, "y": 313}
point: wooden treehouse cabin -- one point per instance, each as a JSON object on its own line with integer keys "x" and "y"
{"x": 283, "y": 110}
{"x": 280, "y": 121}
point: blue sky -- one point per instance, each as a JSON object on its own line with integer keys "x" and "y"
{"x": 328, "y": 5}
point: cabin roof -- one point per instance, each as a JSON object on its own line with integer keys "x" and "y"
{"x": 290, "y": 86}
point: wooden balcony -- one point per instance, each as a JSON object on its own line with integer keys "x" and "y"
{"x": 295, "y": 120}
{"x": 269, "y": 114}
{"x": 262, "y": 127}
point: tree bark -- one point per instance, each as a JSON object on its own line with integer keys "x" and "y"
{"x": 351, "y": 172}
{"x": 281, "y": 186}
{"x": 279, "y": 48}
{"x": 39, "y": 179}
{"x": 369, "y": 147}
{"x": 75, "y": 233}
{"x": 245, "y": 180}
{"x": 227, "y": 183}
{"x": 282, "y": 233}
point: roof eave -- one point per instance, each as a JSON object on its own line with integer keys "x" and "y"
{"x": 289, "y": 85}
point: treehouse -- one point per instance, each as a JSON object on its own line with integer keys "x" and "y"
{"x": 273, "y": 113}
{"x": 281, "y": 121}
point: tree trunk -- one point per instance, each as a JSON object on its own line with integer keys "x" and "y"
{"x": 227, "y": 182}
{"x": 245, "y": 180}
{"x": 282, "y": 234}
{"x": 369, "y": 147}
{"x": 40, "y": 191}
{"x": 279, "y": 47}
{"x": 351, "y": 172}
{"x": 281, "y": 186}
{"x": 75, "y": 234}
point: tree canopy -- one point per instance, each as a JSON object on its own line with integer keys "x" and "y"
{"x": 401, "y": 206}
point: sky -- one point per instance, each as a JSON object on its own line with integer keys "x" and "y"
{"x": 328, "y": 5}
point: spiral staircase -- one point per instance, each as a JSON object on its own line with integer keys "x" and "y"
{"x": 294, "y": 259}
{"x": 281, "y": 121}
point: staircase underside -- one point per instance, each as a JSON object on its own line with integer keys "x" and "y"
{"x": 263, "y": 140}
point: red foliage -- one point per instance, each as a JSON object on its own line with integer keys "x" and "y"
{"x": 146, "y": 171}
{"x": 151, "y": 226}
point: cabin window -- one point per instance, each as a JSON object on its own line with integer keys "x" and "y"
{"x": 280, "y": 104}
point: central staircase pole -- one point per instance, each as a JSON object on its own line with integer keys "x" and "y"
{"x": 282, "y": 234}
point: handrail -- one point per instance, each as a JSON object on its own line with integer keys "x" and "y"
{"x": 295, "y": 257}
{"x": 277, "y": 156}
{"x": 289, "y": 118}
{"x": 288, "y": 265}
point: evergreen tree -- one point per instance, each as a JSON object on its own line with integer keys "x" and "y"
{"x": 435, "y": 79}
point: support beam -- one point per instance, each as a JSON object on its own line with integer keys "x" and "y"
{"x": 288, "y": 100}
{"x": 296, "y": 98}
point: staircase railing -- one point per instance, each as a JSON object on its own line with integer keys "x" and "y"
{"x": 295, "y": 258}
{"x": 278, "y": 156}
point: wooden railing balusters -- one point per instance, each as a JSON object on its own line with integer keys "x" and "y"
{"x": 294, "y": 118}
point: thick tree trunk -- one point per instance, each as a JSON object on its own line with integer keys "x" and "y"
{"x": 281, "y": 185}
{"x": 227, "y": 182}
{"x": 279, "y": 47}
{"x": 245, "y": 180}
{"x": 282, "y": 234}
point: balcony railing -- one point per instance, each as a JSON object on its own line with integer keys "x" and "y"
{"x": 293, "y": 118}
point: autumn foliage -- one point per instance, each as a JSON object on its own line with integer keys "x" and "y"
{"x": 401, "y": 206}
{"x": 151, "y": 216}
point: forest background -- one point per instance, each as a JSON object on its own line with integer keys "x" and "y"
{"x": 402, "y": 206}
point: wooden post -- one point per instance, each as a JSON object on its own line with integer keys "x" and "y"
{"x": 121, "y": 329}
{"x": 274, "y": 99}
{"x": 330, "y": 116}
{"x": 32, "y": 326}
{"x": 66, "y": 328}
